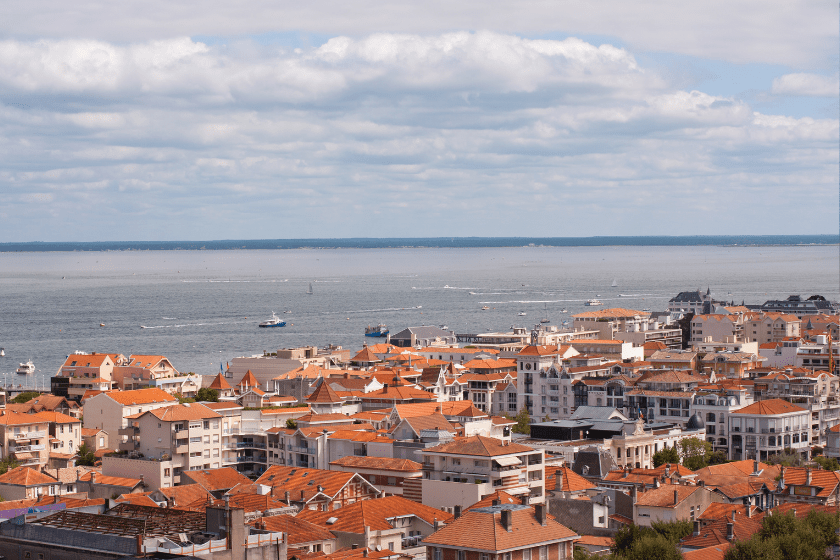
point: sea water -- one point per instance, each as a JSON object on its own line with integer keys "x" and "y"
{"x": 202, "y": 308}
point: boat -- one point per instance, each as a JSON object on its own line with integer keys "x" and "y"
{"x": 564, "y": 310}
{"x": 288, "y": 311}
{"x": 484, "y": 308}
{"x": 545, "y": 319}
{"x": 309, "y": 291}
{"x": 615, "y": 283}
{"x": 101, "y": 324}
{"x": 522, "y": 313}
{"x": 2, "y": 352}
{"x": 273, "y": 322}
{"x": 27, "y": 368}
{"x": 379, "y": 331}
{"x": 593, "y": 302}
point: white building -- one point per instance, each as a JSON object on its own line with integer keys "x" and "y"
{"x": 768, "y": 427}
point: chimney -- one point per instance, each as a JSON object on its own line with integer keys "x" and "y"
{"x": 92, "y": 478}
{"x": 733, "y": 516}
{"x": 457, "y": 512}
{"x": 302, "y": 494}
{"x": 354, "y": 546}
{"x": 365, "y": 552}
{"x": 526, "y": 500}
{"x": 385, "y": 388}
{"x": 808, "y": 476}
{"x": 438, "y": 525}
{"x": 749, "y": 511}
{"x": 288, "y": 498}
{"x": 730, "y": 531}
{"x": 496, "y": 502}
{"x": 696, "y": 532}
{"x": 656, "y": 483}
{"x": 702, "y": 483}
{"x": 633, "y": 494}
{"x": 782, "y": 480}
{"x": 676, "y": 497}
{"x": 506, "y": 520}
{"x": 320, "y": 488}
{"x": 539, "y": 513}
{"x": 558, "y": 480}
{"x": 755, "y": 466}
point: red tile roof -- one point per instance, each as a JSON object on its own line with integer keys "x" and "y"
{"x": 769, "y": 407}
{"x": 379, "y": 463}
{"x": 480, "y": 446}
{"x": 214, "y": 480}
{"x": 141, "y": 396}
{"x": 24, "y": 476}
{"x": 374, "y": 514}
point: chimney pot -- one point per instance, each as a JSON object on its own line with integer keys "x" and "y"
{"x": 676, "y": 497}
{"x": 457, "y": 512}
{"x": 507, "y": 522}
{"x": 730, "y": 531}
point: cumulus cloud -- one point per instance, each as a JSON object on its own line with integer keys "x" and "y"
{"x": 184, "y": 139}
{"x": 815, "y": 85}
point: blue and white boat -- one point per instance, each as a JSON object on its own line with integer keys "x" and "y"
{"x": 378, "y": 331}
{"x": 273, "y": 322}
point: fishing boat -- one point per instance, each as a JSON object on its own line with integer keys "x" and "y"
{"x": 273, "y": 322}
{"x": 593, "y": 302}
{"x": 27, "y": 368}
{"x": 378, "y": 331}
{"x": 309, "y": 291}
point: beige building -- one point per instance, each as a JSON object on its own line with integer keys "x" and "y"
{"x": 673, "y": 502}
{"x": 24, "y": 438}
{"x": 108, "y": 411}
{"x": 717, "y": 326}
{"x": 772, "y": 327}
{"x": 88, "y": 372}
{"x": 188, "y": 435}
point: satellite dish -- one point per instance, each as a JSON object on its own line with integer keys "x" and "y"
{"x": 378, "y": 548}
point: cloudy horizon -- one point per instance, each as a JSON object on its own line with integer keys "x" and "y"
{"x": 156, "y": 121}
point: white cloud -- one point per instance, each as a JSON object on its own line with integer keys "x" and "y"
{"x": 807, "y": 84}
{"x": 478, "y": 133}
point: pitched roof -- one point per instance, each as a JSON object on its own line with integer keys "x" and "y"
{"x": 769, "y": 407}
{"x": 612, "y": 313}
{"x": 184, "y": 494}
{"x": 501, "y": 495}
{"x": 479, "y": 446}
{"x": 110, "y": 480}
{"x": 324, "y": 394}
{"x": 180, "y": 412}
{"x": 85, "y": 360}
{"x": 664, "y": 495}
{"x": 431, "y": 422}
{"x": 716, "y": 552}
{"x": 539, "y": 351}
{"x": 248, "y": 379}
{"x": 24, "y": 476}
{"x": 296, "y": 480}
{"x": 298, "y": 530}
{"x": 379, "y": 463}
{"x": 374, "y": 514}
{"x": 482, "y": 529}
{"x": 141, "y": 396}
{"x": 365, "y": 355}
{"x": 214, "y": 480}
{"x": 220, "y": 383}
{"x": 145, "y": 360}
{"x": 825, "y": 481}
{"x": 571, "y": 481}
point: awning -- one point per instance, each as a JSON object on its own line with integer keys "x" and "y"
{"x": 507, "y": 461}
{"x": 22, "y": 455}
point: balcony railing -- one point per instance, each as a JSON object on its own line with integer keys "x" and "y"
{"x": 298, "y": 449}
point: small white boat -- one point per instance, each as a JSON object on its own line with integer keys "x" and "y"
{"x": 484, "y": 308}
{"x": 522, "y": 313}
{"x": 615, "y": 283}
{"x": 288, "y": 311}
{"x": 564, "y": 310}
{"x": 27, "y": 368}
{"x": 309, "y": 291}
{"x": 593, "y": 302}
{"x": 2, "y": 352}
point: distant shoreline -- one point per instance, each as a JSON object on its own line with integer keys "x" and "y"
{"x": 426, "y": 243}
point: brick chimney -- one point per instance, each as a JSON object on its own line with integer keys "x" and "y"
{"x": 676, "y": 497}
{"x": 507, "y": 520}
{"x": 808, "y": 476}
{"x": 457, "y": 512}
{"x": 540, "y": 513}
{"x": 730, "y": 531}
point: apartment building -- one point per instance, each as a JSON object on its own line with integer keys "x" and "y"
{"x": 188, "y": 435}
{"x": 734, "y": 365}
{"x": 24, "y": 438}
{"x": 817, "y": 391}
{"x": 82, "y": 372}
{"x": 795, "y": 305}
{"x": 317, "y": 489}
{"x": 484, "y": 390}
{"x": 533, "y": 364}
{"x": 463, "y": 471}
{"x": 502, "y": 531}
{"x": 635, "y": 327}
{"x": 717, "y": 326}
{"x": 771, "y": 327}
{"x": 65, "y": 437}
{"x": 815, "y": 354}
{"x": 768, "y": 427}
{"x": 673, "y": 407}
{"x": 714, "y": 409}
{"x": 108, "y": 411}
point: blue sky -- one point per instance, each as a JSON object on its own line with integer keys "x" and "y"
{"x": 152, "y": 120}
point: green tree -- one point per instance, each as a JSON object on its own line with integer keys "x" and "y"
{"x": 8, "y": 464}
{"x": 291, "y": 424}
{"x": 653, "y": 547}
{"x": 206, "y": 394}
{"x": 25, "y": 397}
{"x": 827, "y": 463}
{"x": 182, "y": 399}
{"x": 86, "y": 456}
{"x": 673, "y": 530}
{"x": 695, "y": 452}
{"x": 717, "y": 458}
{"x": 665, "y": 456}
{"x": 753, "y": 549}
{"x": 523, "y": 422}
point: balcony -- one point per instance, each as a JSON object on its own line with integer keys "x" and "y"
{"x": 182, "y": 449}
{"x": 182, "y": 434}
{"x": 297, "y": 449}
{"x": 129, "y": 445}
{"x": 129, "y": 431}
{"x": 250, "y": 444}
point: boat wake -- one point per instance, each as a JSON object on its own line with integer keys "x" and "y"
{"x": 180, "y": 326}
{"x": 382, "y": 310}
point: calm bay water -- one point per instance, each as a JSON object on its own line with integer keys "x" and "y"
{"x": 202, "y": 307}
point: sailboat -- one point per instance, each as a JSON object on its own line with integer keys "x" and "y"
{"x": 545, "y": 319}
{"x": 614, "y": 284}
{"x": 309, "y": 291}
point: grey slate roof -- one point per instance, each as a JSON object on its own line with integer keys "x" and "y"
{"x": 597, "y": 412}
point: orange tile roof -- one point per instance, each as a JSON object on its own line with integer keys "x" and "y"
{"x": 298, "y": 530}
{"x": 572, "y": 482}
{"x": 501, "y": 495}
{"x": 220, "y": 383}
{"x": 248, "y": 379}
{"x": 141, "y": 396}
{"x": 324, "y": 394}
{"x": 378, "y": 463}
{"x": 613, "y": 312}
{"x": 57, "y": 417}
{"x": 374, "y": 514}
{"x": 110, "y": 480}
{"x": 299, "y": 479}
{"x": 138, "y": 360}
{"x": 365, "y": 355}
{"x": 185, "y": 494}
{"x": 85, "y": 360}
{"x": 25, "y": 476}
{"x": 137, "y": 499}
{"x": 214, "y": 480}
{"x": 825, "y": 481}
{"x": 769, "y": 407}
{"x": 716, "y": 552}
{"x": 664, "y": 495}
{"x": 539, "y": 351}
{"x": 479, "y": 446}
{"x": 400, "y": 393}
{"x": 482, "y": 529}
{"x": 180, "y": 412}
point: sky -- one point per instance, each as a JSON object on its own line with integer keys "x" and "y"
{"x": 267, "y": 119}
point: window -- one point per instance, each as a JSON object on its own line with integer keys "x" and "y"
{"x": 437, "y": 554}
{"x": 462, "y": 555}
{"x": 391, "y": 546}
{"x": 526, "y": 554}
{"x": 207, "y": 424}
{"x": 543, "y": 553}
